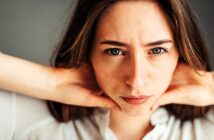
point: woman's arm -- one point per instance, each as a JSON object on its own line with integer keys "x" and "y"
{"x": 69, "y": 86}
{"x": 25, "y": 77}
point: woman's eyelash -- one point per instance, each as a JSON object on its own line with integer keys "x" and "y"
{"x": 157, "y": 51}
{"x": 153, "y": 51}
{"x": 114, "y": 51}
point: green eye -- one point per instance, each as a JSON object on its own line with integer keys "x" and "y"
{"x": 157, "y": 51}
{"x": 114, "y": 51}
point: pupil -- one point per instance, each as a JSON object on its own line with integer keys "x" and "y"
{"x": 156, "y": 51}
{"x": 115, "y": 51}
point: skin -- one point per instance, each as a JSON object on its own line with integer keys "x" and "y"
{"x": 136, "y": 71}
{"x": 142, "y": 63}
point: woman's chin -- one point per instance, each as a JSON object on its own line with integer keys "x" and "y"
{"x": 134, "y": 111}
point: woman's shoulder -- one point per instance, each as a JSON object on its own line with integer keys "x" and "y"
{"x": 7, "y": 111}
{"x": 43, "y": 126}
{"x": 168, "y": 126}
{"x": 29, "y": 118}
{"x": 19, "y": 113}
{"x": 86, "y": 128}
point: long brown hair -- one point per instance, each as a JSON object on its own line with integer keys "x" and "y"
{"x": 75, "y": 47}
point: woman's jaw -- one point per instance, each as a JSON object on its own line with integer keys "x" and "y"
{"x": 134, "y": 105}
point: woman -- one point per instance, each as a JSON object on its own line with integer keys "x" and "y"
{"x": 143, "y": 55}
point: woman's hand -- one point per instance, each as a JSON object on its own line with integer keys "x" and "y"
{"x": 69, "y": 86}
{"x": 188, "y": 87}
{"x": 78, "y": 87}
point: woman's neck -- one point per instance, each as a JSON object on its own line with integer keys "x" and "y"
{"x": 130, "y": 127}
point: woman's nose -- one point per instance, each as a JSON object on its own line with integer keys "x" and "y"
{"x": 137, "y": 73}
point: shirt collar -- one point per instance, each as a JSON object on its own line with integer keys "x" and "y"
{"x": 158, "y": 120}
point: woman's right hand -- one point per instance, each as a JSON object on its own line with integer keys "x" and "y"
{"x": 69, "y": 86}
{"x": 79, "y": 87}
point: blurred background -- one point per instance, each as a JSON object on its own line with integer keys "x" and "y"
{"x": 31, "y": 29}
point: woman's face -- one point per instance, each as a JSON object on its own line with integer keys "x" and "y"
{"x": 134, "y": 55}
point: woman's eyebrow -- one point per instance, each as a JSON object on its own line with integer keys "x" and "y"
{"x": 159, "y": 42}
{"x": 150, "y": 44}
{"x": 113, "y": 43}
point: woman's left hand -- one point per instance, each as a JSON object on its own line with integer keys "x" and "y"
{"x": 188, "y": 87}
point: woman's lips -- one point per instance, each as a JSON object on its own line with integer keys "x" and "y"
{"x": 135, "y": 100}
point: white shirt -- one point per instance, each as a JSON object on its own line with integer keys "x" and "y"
{"x": 26, "y": 118}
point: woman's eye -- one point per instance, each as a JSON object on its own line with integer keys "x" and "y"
{"x": 114, "y": 51}
{"x": 157, "y": 51}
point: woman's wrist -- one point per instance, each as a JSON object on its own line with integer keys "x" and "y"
{"x": 59, "y": 77}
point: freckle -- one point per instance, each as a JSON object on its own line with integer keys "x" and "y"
{"x": 139, "y": 22}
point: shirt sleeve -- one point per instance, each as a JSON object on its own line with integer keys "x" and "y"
{"x": 7, "y": 114}
{"x": 204, "y": 127}
{"x": 20, "y": 114}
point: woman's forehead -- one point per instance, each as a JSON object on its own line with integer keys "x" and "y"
{"x": 129, "y": 7}
{"x": 128, "y": 19}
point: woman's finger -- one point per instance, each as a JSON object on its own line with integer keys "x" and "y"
{"x": 187, "y": 94}
{"x": 78, "y": 95}
{"x": 171, "y": 96}
{"x": 94, "y": 100}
